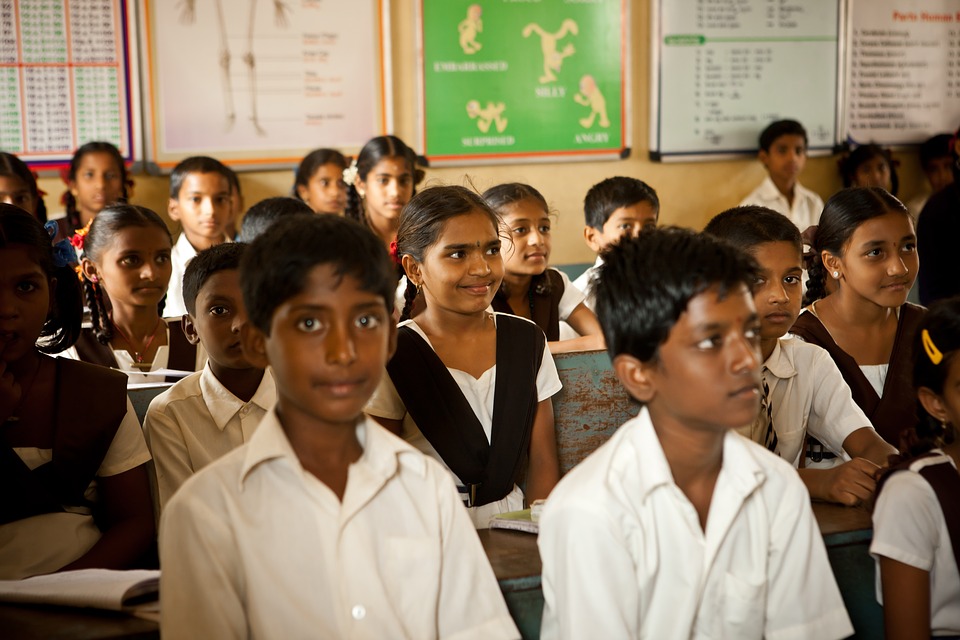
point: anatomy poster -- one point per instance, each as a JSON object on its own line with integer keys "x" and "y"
{"x": 260, "y": 82}
{"x": 510, "y": 80}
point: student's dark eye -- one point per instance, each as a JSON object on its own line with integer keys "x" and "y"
{"x": 792, "y": 280}
{"x": 544, "y": 228}
{"x": 309, "y": 325}
{"x": 27, "y": 287}
{"x": 711, "y": 342}
{"x": 130, "y": 261}
{"x": 457, "y": 255}
{"x": 324, "y": 182}
{"x": 163, "y": 258}
{"x": 752, "y": 334}
{"x": 625, "y": 226}
{"x": 196, "y": 200}
{"x": 368, "y": 321}
{"x": 219, "y": 310}
{"x": 493, "y": 251}
{"x": 874, "y": 253}
{"x": 521, "y": 231}
{"x": 909, "y": 247}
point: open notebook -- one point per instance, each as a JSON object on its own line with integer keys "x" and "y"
{"x": 97, "y": 588}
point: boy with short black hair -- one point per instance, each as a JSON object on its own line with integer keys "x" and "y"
{"x": 324, "y": 525}
{"x": 783, "y": 152}
{"x": 681, "y": 527}
{"x": 804, "y": 391}
{"x": 614, "y": 208}
{"x": 201, "y": 200}
{"x": 267, "y": 212}
{"x": 213, "y": 411}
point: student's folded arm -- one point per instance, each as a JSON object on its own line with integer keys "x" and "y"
{"x": 200, "y": 584}
{"x": 584, "y": 322}
{"x": 128, "y": 527}
{"x": 906, "y": 600}
{"x": 589, "y": 577}
{"x": 169, "y": 450}
{"x": 544, "y": 471}
{"x": 851, "y": 483}
{"x": 866, "y": 443}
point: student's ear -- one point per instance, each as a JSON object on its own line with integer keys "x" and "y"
{"x": 763, "y": 156}
{"x": 89, "y": 269}
{"x": 932, "y": 403}
{"x": 590, "y": 237}
{"x": 832, "y": 264}
{"x": 173, "y": 209}
{"x": 189, "y": 329}
{"x": 254, "y": 345}
{"x": 304, "y": 193}
{"x": 359, "y": 186}
{"x": 412, "y": 268}
{"x": 635, "y": 376}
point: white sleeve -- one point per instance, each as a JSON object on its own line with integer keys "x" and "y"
{"x": 589, "y": 579}
{"x": 571, "y": 298}
{"x": 169, "y": 448}
{"x": 906, "y": 521}
{"x": 803, "y": 600}
{"x": 385, "y": 401}
{"x": 128, "y": 449}
{"x": 834, "y": 415}
{"x": 548, "y": 380}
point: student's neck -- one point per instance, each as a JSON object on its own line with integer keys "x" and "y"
{"x": 694, "y": 457}
{"x": 767, "y": 345}
{"x": 85, "y": 217}
{"x": 517, "y": 288}
{"x": 789, "y": 191}
{"x": 442, "y": 322}
{"x": 25, "y": 368}
{"x": 201, "y": 243}
{"x": 853, "y": 310}
{"x": 324, "y": 449}
{"x": 385, "y": 228}
{"x": 243, "y": 383}
{"x": 135, "y": 322}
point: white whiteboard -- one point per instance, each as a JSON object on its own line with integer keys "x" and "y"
{"x": 902, "y": 69}
{"x": 722, "y": 71}
{"x": 316, "y": 79}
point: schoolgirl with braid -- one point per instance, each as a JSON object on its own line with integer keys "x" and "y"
{"x": 916, "y": 521}
{"x": 866, "y": 244}
{"x": 74, "y": 458}
{"x": 468, "y": 387}
{"x": 380, "y": 182}
{"x": 96, "y": 178}
{"x": 125, "y": 271}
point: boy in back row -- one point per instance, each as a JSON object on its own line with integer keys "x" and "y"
{"x": 677, "y": 527}
{"x": 324, "y": 524}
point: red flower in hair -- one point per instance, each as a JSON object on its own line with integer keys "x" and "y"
{"x": 78, "y": 238}
{"x": 394, "y": 251}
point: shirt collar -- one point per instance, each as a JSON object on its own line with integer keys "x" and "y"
{"x": 780, "y": 362}
{"x": 382, "y": 454}
{"x": 769, "y": 192}
{"x": 223, "y": 405}
{"x": 648, "y": 461}
{"x": 183, "y": 248}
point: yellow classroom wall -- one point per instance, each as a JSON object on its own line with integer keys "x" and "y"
{"x": 690, "y": 192}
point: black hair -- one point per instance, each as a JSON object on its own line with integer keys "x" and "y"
{"x": 373, "y": 152}
{"x": 104, "y": 227}
{"x": 844, "y": 212}
{"x": 266, "y": 212}
{"x": 849, "y": 164}
{"x": 73, "y": 215}
{"x": 504, "y": 195}
{"x": 746, "y": 227}
{"x": 234, "y": 181}
{"x": 781, "y": 128}
{"x": 200, "y": 164}
{"x": 422, "y": 221}
{"x": 940, "y": 326}
{"x": 11, "y": 165}
{"x": 936, "y": 147}
{"x": 608, "y": 195}
{"x": 220, "y": 257}
{"x": 313, "y": 161}
{"x": 277, "y": 264}
{"x": 62, "y": 327}
{"x": 638, "y": 311}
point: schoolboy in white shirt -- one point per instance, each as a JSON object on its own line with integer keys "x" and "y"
{"x": 213, "y": 411}
{"x": 783, "y": 152}
{"x": 614, "y": 208}
{"x": 201, "y": 200}
{"x": 677, "y": 527}
{"x": 807, "y": 393}
{"x": 324, "y": 525}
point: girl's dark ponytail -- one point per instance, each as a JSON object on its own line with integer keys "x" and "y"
{"x": 409, "y": 295}
{"x": 102, "y": 328}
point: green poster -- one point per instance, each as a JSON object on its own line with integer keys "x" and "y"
{"x": 522, "y": 78}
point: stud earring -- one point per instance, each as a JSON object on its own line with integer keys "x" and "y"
{"x": 419, "y": 288}
{"x": 836, "y": 274}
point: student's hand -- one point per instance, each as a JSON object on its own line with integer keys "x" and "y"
{"x": 10, "y": 392}
{"x": 851, "y": 483}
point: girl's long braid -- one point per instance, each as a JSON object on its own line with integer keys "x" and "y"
{"x": 816, "y": 282}
{"x": 99, "y": 317}
{"x": 409, "y": 295}
{"x": 354, "y": 208}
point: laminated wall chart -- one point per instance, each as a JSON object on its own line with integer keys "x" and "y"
{"x": 66, "y": 78}
{"x": 722, "y": 70}
{"x": 259, "y": 83}
{"x": 903, "y": 70}
{"x": 506, "y": 80}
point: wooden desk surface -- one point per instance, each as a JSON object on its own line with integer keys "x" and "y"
{"x": 28, "y": 622}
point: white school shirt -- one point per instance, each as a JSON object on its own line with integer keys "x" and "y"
{"x": 255, "y": 546}
{"x": 909, "y": 527}
{"x": 479, "y": 393}
{"x": 44, "y": 543}
{"x": 585, "y": 283}
{"x": 808, "y": 393}
{"x": 182, "y": 253}
{"x": 624, "y": 555}
{"x": 196, "y": 421}
{"x": 805, "y": 211}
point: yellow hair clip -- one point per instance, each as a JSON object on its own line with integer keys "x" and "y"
{"x": 932, "y": 352}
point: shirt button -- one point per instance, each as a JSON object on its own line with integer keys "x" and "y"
{"x": 358, "y": 612}
{"x": 244, "y": 411}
